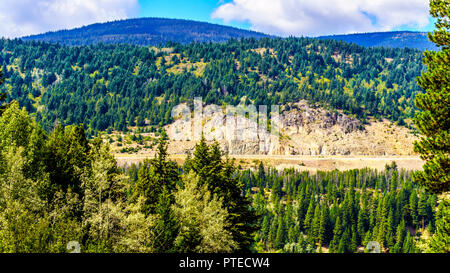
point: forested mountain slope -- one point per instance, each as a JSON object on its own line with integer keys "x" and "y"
{"x": 145, "y": 31}
{"x": 116, "y": 86}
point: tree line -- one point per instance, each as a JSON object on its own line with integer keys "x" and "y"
{"x": 60, "y": 187}
{"x": 118, "y": 86}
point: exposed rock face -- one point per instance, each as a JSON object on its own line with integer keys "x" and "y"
{"x": 304, "y": 130}
{"x": 302, "y": 115}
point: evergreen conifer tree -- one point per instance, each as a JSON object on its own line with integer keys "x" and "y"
{"x": 434, "y": 121}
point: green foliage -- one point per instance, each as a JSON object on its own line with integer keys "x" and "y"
{"x": 204, "y": 227}
{"x": 155, "y": 176}
{"x": 340, "y": 212}
{"x": 116, "y": 86}
{"x": 440, "y": 242}
{"x": 68, "y": 154}
{"x": 218, "y": 176}
{"x": 434, "y": 121}
{"x": 59, "y": 187}
{"x": 167, "y": 226}
{"x": 78, "y": 195}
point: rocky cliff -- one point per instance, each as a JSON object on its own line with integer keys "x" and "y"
{"x": 304, "y": 130}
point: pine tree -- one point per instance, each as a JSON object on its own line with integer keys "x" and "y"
{"x": 154, "y": 176}
{"x": 381, "y": 226}
{"x": 324, "y": 227}
{"x": 400, "y": 234}
{"x": 68, "y": 153}
{"x": 281, "y": 233}
{"x": 413, "y": 208}
{"x": 167, "y": 226}
{"x": 201, "y": 162}
{"x": 353, "y": 241}
{"x": 315, "y": 225}
{"x": 367, "y": 238}
{"x": 408, "y": 245}
{"x": 261, "y": 175}
{"x": 265, "y": 227}
{"x": 394, "y": 181}
{"x": 434, "y": 121}
{"x": 2, "y": 95}
{"x": 389, "y": 236}
{"x": 344, "y": 242}
{"x": 361, "y": 224}
{"x": 337, "y": 232}
{"x": 273, "y": 233}
{"x": 218, "y": 175}
{"x": 422, "y": 210}
{"x": 309, "y": 216}
{"x": 292, "y": 234}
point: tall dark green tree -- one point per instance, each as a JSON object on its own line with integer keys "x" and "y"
{"x": 281, "y": 234}
{"x": 324, "y": 227}
{"x": 440, "y": 242}
{"x": 68, "y": 153}
{"x": 154, "y": 175}
{"x": 434, "y": 121}
{"x": 167, "y": 227}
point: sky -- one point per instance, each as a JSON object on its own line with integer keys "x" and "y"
{"x": 277, "y": 17}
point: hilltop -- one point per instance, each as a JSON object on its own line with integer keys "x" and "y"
{"x": 159, "y": 31}
{"x": 145, "y": 32}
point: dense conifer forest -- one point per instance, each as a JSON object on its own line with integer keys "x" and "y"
{"x": 60, "y": 187}
{"x": 339, "y": 212}
{"x": 117, "y": 86}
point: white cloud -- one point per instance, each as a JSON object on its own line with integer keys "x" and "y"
{"x": 321, "y": 17}
{"x": 25, "y": 17}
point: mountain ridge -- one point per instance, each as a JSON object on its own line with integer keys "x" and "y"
{"x": 153, "y": 31}
{"x": 392, "y": 39}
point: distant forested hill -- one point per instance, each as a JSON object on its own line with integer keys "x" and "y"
{"x": 397, "y": 39}
{"x": 145, "y": 31}
{"x": 159, "y": 31}
{"x": 116, "y": 86}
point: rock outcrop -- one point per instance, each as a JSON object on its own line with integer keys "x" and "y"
{"x": 304, "y": 130}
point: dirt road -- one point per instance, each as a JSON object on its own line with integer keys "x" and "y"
{"x": 310, "y": 163}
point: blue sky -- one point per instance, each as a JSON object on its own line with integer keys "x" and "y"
{"x": 277, "y": 17}
{"x": 199, "y": 10}
{"x": 202, "y": 10}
